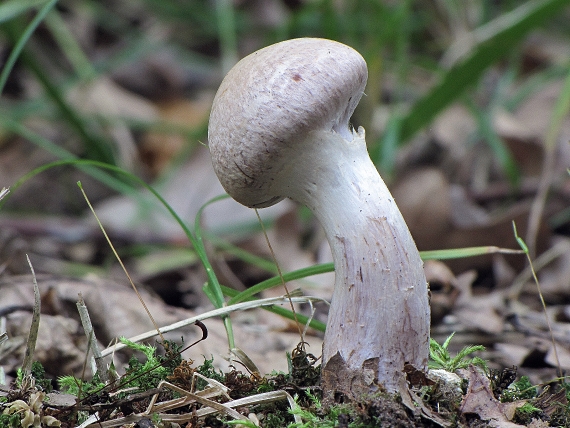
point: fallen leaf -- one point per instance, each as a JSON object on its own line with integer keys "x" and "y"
{"x": 483, "y": 312}
{"x": 538, "y": 423}
{"x": 480, "y": 400}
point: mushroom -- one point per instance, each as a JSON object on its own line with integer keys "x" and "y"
{"x": 279, "y": 128}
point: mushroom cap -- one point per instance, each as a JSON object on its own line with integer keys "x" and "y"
{"x": 269, "y": 102}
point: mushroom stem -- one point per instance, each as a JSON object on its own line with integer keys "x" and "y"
{"x": 279, "y": 128}
{"x": 379, "y": 315}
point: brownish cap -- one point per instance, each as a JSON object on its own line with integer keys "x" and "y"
{"x": 269, "y": 102}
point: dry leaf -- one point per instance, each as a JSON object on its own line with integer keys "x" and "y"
{"x": 538, "y": 423}
{"x": 483, "y": 312}
{"x": 480, "y": 400}
{"x": 66, "y": 357}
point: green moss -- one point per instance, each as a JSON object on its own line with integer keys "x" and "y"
{"x": 208, "y": 370}
{"x": 10, "y": 421}
{"x": 522, "y": 389}
{"x": 39, "y": 374}
{"x": 316, "y": 416}
{"x": 440, "y": 358}
{"x": 147, "y": 374}
{"x": 79, "y": 387}
{"x": 526, "y": 413}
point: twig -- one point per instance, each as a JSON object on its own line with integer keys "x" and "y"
{"x": 90, "y": 333}
{"x": 7, "y": 310}
{"x": 558, "y": 116}
{"x": 202, "y": 397}
{"x": 33, "y": 335}
{"x": 211, "y": 314}
{"x": 3, "y": 338}
{"x": 118, "y": 403}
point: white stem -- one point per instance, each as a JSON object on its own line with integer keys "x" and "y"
{"x": 379, "y": 316}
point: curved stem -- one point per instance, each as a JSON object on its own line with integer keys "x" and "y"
{"x": 379, "y": 316}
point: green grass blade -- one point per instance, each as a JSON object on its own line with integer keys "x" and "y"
{"x": 465, "y": 73}
{"x": 7, "y": 11}
{"x": 213, "y": 285}
{"x": 535, "y": 83}
{"x": 286, "y": 313}
{"x": 241, "y": 254}
{"x": 226, "y": 33}
{"x": 559, "y": 114}
{"x": 329, "y": 267}
{"x": 276, "y": 280}
{"x": 389, "y": 146}
{"x": 500, "y": 151}
{"x": 97, "y": 147}
{"x": 69, "y": 46}
{"x": 461, "y": 253}
{"x": 13, "y": 8}
{"x": 520, "y": 241}
{"x": 212, "y": 288}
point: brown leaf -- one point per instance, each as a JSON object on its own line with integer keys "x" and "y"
{"x": 478, "y": 311}
{"x": 416, "y": 377}
{"x": 455, "y": 220}
{"x": 481, "y": 401}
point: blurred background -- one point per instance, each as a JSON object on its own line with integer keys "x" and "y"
{"x": 466, "y": 115}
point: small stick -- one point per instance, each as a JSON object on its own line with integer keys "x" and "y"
{"x": 90, "y": 333}
{"x": 33, "y": 335}
{"x": 211, "y": 314}
{"x": 3, "y": 338}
